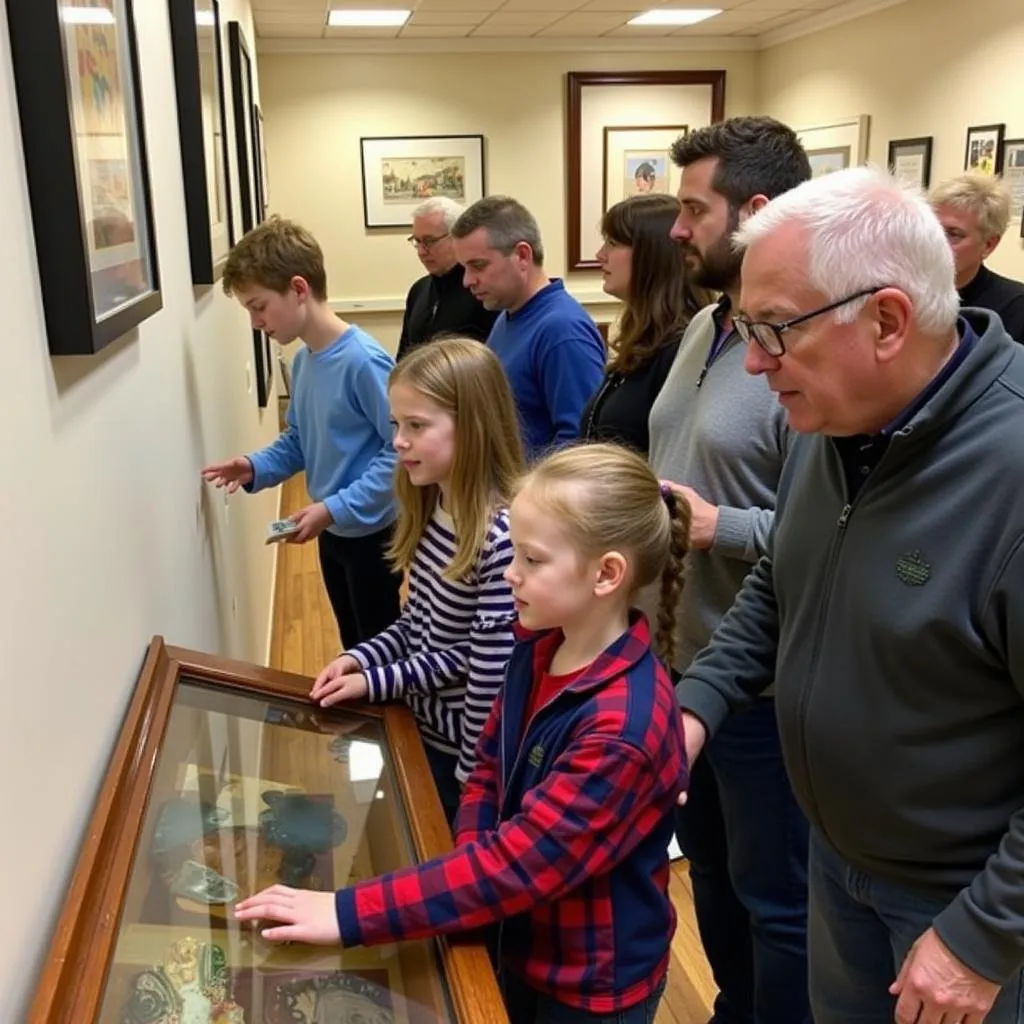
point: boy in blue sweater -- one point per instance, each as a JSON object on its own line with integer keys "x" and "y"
{"x": 549, "y": 346}
{"x": 339, "y": 425}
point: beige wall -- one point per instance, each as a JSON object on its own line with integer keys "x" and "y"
{"x": 108, "y": 535}
{"x": 318, "y": 106}
{"x": 921, "y": 68}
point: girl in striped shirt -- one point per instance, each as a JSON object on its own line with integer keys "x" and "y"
{"x": 460, "y": 455}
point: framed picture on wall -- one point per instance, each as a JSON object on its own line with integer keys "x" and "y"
{"x": 244, "y": 109}
{"x": 202, "y": 128}
{"x": 401, "y": 171}
{"x": 984, "y": 151}
{"x": 638, "y": 160}
{"x": 76, "y": 73}
{"x": 836, "y": 145}
{"x": 616, "y": 124}
{"x": 261, "y": 157}
{"x": 1013, "y": 176}
{"x": 910, "y": 161}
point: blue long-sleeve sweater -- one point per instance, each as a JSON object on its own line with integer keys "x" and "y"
{"x": 554, "y": 358}
{"x": 339, "y": 432}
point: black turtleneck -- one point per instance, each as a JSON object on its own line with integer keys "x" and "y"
{"x": 441, "y": 305}
{"x": 1000, "y": 294}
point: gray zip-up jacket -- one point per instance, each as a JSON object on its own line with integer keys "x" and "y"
{"x": 893, "y": 627}
{"x": 722, "y": 432}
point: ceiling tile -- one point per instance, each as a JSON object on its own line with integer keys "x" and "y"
{"x": 584, "y": 25}
{"x": 445, "y": 18}
{"x": 470, "y": 6}
{"x": 436, "y": 31}
{"x": 630, "y": 7}
{"x": 287, "y": 31}
{"x": 508, "y": 31}
{"x": 540, "y": 5}
{"x": 316, "y": 18}
{"x": 527, "y": 19}
{"x": 773, "y": 8}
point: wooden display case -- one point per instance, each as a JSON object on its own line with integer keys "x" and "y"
{"x": 227, "y": 779}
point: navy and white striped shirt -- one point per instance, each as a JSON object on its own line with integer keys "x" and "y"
{"x": 446, "y": 654}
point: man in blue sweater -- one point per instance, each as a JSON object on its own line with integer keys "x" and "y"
{"x": 549, "y": 346}
{"x": 339, "y": 425}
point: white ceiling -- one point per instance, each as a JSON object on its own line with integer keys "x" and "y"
{"x": 549, "y": 20}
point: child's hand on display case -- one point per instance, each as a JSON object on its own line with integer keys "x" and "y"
{"x": 303, "y": 916}
{"x": 337, "y": 678}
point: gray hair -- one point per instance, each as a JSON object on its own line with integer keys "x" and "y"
{"x": 866, "y": 230}
{"x": 988, "y": 197}
{"x": 448, "y": 208}
{"x": 507, "y": 222}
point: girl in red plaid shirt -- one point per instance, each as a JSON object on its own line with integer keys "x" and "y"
{"x": 562, "y": 836}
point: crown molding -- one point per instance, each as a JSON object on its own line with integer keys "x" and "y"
{"x": 827, "y": 19}
{"x": 676, "y": 44}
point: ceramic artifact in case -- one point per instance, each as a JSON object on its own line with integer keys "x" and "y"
{"x": 226, "y": 780}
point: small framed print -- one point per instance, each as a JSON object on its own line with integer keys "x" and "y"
{"x": 828, "y": 160}
{"x": 244, "y": 107}
{"x": 984, "y": 151}
{"x": 76, "y": 73}
{"x": 638, "y": 160}
{"x": 400, "y": 172}
{"x": 910, "y": 161}
{"x": 1013, "y": 176}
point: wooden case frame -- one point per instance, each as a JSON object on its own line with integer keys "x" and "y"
{"x": 57, "y": 196}
{"x": 577, "y": 81}
{"x": 207, "y": 264}
{"x": 71, "y": 985}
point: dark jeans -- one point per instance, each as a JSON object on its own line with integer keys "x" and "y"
{"x": 861, "y": 929}
{"x": 442, "y": 767}
{"x": 746, "y": 840}
{"x": 527, "y": 1006}
{"x": 361, "y": 587}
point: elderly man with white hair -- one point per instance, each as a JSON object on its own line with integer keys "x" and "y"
{"x": 439, "y": 303}
{"x": 890, "y": 609}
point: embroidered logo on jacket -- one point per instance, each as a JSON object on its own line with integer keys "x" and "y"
{"x": 536, "y": 756}
{"x": 913, "y": 570}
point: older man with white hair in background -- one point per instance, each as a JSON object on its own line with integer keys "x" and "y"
{"x": 890, "y": 609}
{"x": 439, "y": 303}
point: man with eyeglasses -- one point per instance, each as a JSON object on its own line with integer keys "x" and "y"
{"x": 439, "y": 303}
{"x": 889, "y": 611}
{"x": 719, "y": 434}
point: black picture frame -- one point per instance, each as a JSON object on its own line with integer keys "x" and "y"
{"x": 984, "y": 135}
{"x": 243, "y": 105}
{"x": 260, "y": 157}
{"x": 919, "y": 147}
{"x": 87, "y": 169}
{"x": 198, "y": 51}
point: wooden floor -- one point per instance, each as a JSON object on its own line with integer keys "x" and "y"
{"x": 305, "y": 638}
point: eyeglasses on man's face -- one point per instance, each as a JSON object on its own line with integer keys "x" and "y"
{"x": 770, "y": 336}
{"x": 427, "y": 243}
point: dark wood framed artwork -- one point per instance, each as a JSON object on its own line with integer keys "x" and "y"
{"x": 264, "y": 367}
{"x": 260, "y": 156}
{"x": 983, "y": 153}
{"x": 225, "y": 779}
{"x": 84, "y": 140}
{"x": 910, "y": 160}
{"x": 578, "y": 82}
{"x": 243, "y": 107}
{"x": 196, "y": 39}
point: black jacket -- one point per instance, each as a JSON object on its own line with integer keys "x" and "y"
{"x": 1000, "y": 294}
{"x": 619, "y": 409}
{"x": 442, "y": 305}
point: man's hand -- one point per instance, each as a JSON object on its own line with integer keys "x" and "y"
{"x": 934, "y": 987}
{"x": 234, "y": 473}
{"x": 305, "y": 916}
{"x": 695, "y": 735}
{"x": 703, "y": 516}
{"x": 312, "y": 520}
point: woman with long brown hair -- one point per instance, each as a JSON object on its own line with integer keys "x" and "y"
{"x": 646, "y": 269}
